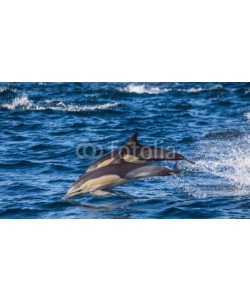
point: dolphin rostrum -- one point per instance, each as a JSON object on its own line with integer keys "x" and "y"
{"x": 137, "y": 153}
{"x": 118, "y": 172}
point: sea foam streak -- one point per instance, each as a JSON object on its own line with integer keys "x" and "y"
{"x": 141, "y": 89}
{"x": 24, "y": 103}
{"x": 199, "y": 89}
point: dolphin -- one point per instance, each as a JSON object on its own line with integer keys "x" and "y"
{"x": 137, "y": 153}
{"x": 118, "y": 172}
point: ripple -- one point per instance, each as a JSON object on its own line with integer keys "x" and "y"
{"x": 20, "y": 213}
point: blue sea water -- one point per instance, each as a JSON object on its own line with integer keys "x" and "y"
{"x": 45, "y": 126}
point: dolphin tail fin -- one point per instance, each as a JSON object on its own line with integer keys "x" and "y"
{"x": 190, "y": 161}
{"x": 176, "y": 169}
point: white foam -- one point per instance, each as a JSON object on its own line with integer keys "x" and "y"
{"x": 216, "y": 87}
{"x": 69, "y": 107}
{"x": 230, "y": 162}
{"x": 199, "y": 89}
{"x": 3, "y": 89}
{"x": 248, "y": 115}
{"x": 141, "y": 89}
{"x": 195, "y": 90}
{"x": 24, "y": 103}
{"x": 227, "y": 166}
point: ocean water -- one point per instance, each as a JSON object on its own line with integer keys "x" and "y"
{"x": 45, "y": 128}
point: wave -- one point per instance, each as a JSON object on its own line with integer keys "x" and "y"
{"x": 199, "y": 89}
{"x": 24, "y": 103}
{"x": 141, "y": 89}
{"x": 4, "y": 89}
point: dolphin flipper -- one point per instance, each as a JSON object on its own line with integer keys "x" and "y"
{"x": 100, "y": 193}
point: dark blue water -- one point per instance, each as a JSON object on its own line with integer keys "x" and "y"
{"x": 43, "y": 124}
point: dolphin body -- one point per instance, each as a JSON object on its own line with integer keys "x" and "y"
{"x": 137, "y": 153}
{"x": 118, "y": 172}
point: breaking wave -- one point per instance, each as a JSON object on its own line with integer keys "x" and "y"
{"x": 24, "y": 103}
{"x": 4, "y": 89}
{"x": 141, "y": 89}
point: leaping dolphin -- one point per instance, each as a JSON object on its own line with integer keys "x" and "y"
{"x": 137, "y": 153}
{"x": 118, "y": 172}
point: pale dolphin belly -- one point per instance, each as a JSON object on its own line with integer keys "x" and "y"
{"x": 102, "y": 182}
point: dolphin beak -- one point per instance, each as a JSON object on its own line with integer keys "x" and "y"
{"x": 73, "y": 191}
{"x": 66, "y": 197}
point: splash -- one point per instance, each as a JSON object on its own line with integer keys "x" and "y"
{"x": 230, "y": 161}
{"x": 141, "y": 89}
{"x": 190, "y": 188}
{"x": 24, "y": 103}
{"x": 222, "y": 169}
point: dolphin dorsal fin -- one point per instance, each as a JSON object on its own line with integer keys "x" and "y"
{"x": 133, "y": 139}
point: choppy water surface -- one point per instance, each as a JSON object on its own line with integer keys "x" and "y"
{"x": 42, "y": 124}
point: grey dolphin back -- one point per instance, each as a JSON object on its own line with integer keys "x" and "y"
{"x": 111, "y": 155}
